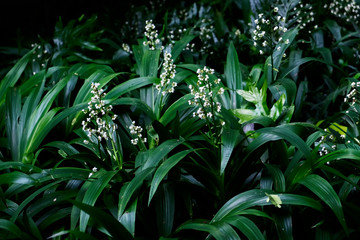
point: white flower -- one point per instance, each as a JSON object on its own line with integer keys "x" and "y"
{"x": 134, "y": 141}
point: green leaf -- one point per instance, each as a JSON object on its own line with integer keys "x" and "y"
{"x": 129, "y": 216}
{"x": 136, "y": 103}
{"x": 334, "y": 28}
{"x": 130, "y": 188}
{"x": 19, "y": 166}
{"x": 253, "y": 95}
{"x": 347, "y": 187}
{"x": 258, "y": 197}
{"x": 41, "y": 132}
{"x": 293, "y": 67}
{"x": 16, "y": 177}
{"x": 130, "y": 85}
{"x": 283, "y": 223}
{"x": 111, "y": 224}
{"x": 347, "y": 153}
{"x": 75, "y": 233}
{"x": 277, "y": 109}
{"x": 178, "y": 106}
{"x": 272, "y": 68}
{"x": 245, "y": 115}
{"x": 229, "y": 139}
{"x": 281, "y": 132}
{"x": 233, "y": 76}
{"x": 322, "y": 188}
{"x": 326, "y": 54}
{"x": 13, "y": 123}
{"x": 220, "y": 231}
{"x": 13, "y": 229}
{"x": 180, "y": 45}
{"x": 154, "y": 156}
{"x": 165, "y": 209}
{"x": 240, "y": 202}
{"x": 163, "y": 169}
{"x": 93, "y": 193}
{"x": 284, "y": 86}
{"x": 30, "y": 198}
{"x": 278, "y": 177}
{"x": 149, "y": 63}
{"x": 246, "y": 226}
{"x": 13, "y": 76}
{"x": 100, "y": 76}
{"x": 34, "y": 229}
{"x": 255, "y": 73}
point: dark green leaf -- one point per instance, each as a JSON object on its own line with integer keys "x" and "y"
{"x": 229, "y": 139}
{"x": 322, "y": 188}
{"x": 115, "y": 228}
{"x": 93, "y": 193}
{"x": 163, "y": 169}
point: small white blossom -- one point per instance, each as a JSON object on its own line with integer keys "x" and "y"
{"x": 166, "y": 85}
{"x": 98, "y": 123}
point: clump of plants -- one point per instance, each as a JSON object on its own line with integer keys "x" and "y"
{"x": 217, "y": 121}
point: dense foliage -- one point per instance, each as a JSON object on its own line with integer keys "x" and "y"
{"x": 181, "y": 120}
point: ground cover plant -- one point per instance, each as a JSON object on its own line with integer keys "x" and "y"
{"x": 188, "y": 120}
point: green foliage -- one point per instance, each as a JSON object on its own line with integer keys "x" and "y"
{"x": 256, "y": 141}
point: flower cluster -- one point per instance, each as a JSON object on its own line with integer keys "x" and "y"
{"x": 41, "y": 57}
{"x": 175, "y": 35}
{"x": 136, "y": 131}
{"x": 206, "y": 33}
{"x": 305, "y": 16}
{"x": 205, "y": 95}
{"x": 98, "y": 122}
{"x": 166, "y": 86}
{"x": 327, "y": 143}
{"x": 348, "y": 10}
{"x": 351, "y": 96}
{"x": 152, "y": 36}
{"x": 268, "y": 31}
{"x": 190, "y": 47}
{"x": 126, "y": 48}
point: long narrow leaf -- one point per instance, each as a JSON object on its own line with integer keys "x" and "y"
{"x": 229, "y": 139}
{"x": 115, "y": 228}
{"x": 130, "y": 188}
{"x": 322, "y": 188}
{"x": 246, "y": 226}
{"x": 163, "y": 169}
{"x": 129, "y": 86}
{"x": 233, "y": 76}
{"x": 92, "y": 195}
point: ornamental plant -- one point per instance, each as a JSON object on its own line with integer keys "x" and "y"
{"x": 185, "y": 120}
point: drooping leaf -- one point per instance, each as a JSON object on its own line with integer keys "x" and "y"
{"x": 130, "y": 85}
{"x": 246, "y": 226}
{"x": 13, "y": 76}
{"x": 130, "y": 188}
{"x": 92, "y": 195}
{"x": 111, "y": 224}
{"x": 163, "y": 169}
{"x": 13, "y": 230}
{"x": 322, "y": 188}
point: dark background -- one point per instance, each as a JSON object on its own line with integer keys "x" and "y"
{"x": 25, "y": 20}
